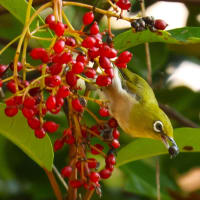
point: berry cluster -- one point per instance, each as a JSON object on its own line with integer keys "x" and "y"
{"x": 72, "y": 55}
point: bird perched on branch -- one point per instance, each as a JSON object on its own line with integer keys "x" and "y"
{"x": 132, "y": 103}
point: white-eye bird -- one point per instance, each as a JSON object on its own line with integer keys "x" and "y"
{"x": 132, "y": 103}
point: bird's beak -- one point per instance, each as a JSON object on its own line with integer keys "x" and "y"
{"x": 173, "y": 149}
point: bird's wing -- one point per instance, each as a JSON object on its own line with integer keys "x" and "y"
{"x": 138, "y": 86}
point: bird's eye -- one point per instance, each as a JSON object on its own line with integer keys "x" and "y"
{"x": 158, "y": 126}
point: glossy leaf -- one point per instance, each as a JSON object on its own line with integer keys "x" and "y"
{"x": 187, "y": 140}
{"x": 141, "y": 179}
{"x": 128, "y": 39}
{"x": 17, "y": 131}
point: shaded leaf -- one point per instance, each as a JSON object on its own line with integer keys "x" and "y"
{"x": 17, "y": 130}
{"x": 186, "y": 35}
{"x": 187, "y": 140}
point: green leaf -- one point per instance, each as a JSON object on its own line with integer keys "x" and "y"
{"x": 141, "y": 179}
{"x": 186, "y": 35}
{"x": 187, "y": 140}
{"x": 17, "y": 130}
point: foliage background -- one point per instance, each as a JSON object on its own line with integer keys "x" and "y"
{"x": 21, "y": 178}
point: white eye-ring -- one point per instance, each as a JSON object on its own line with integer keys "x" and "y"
{"x": 158, "y": 126}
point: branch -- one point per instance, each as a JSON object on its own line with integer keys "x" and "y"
{"x": 173, "y": 114}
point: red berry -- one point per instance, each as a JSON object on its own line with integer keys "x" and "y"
{"x": 19, "y": 66}
{"x": 66, "y": 171}
{"x": 77, "y": 105}
{"x": 77, "y": 67}
{"x": 59, "y": 46}
{"x": 3, "y": 69}
{"x": 51, "y": 102}
{"x": 124, "y": 57}
{"x": 110, "y": 167}
{"x": 75, "y": 183}
{"x": 34, "y": 123}
{"x": 50, "y": 126}
{"x": 123, "y": 4}
{"x": 65, "y": 58}
{"x": 11, "y": 111}
{"x": 58, "y": 144}
{"x": 59, "y": 101}
{"x": 90, "y": 72}
{"x": 115, "y": 143}
{"x": 107, "y": 51}
{"x": 110, "y": 160}
{"x": 50, "y": 20}
{"x": 105, "y": 173}
{"x": 103, "y": 80}
{"x": 93, "y": 52}
{"x": 160, "y": 24}
{"x": 71, "y": 78}
{"x": 70, "y": 139}
{"x": 104, "y": 62}
{"x": 1, "y": 83}
{"x": 104, "y": 112}
{"x": 28, "y": 113}
{"x": 37, "y": 53}
{"x": 121, "y": 65}
{"x": 115, "y": 133}
{"x": 94, "y": 29}
{"x": 81, "y": 58}
{"x": 63, "y": 92}
{"x": 11, "y": 102}
{"x": 112, "y": 123}
{"x": 11, "y": 86}
{"x": 109, "y": 72}
{"x": 40, "y": 133}
{"x": 97, "y": 146}
{"x": 89, "y": 42}
{"x": 55, "y": 80}
{"x": 18, "y": 100}
{"x": 59, "y": 29}
{"x": 29, "y": 102}
{"x": 70, "y": 41}
{"x": 88, "y": 18}
{"x": 92, "y": 163}
{"x": 95, "y": 129}
{"x": 55, "y": 69}
{"x": 94, "y": 177}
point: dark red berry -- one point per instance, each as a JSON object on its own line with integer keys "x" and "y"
{"x": 28, "y": 113}
{"x": 160, "y": 24}
{"x": 78, "y": 67}
{"x": 65, "y": 58}
{"x": 94, "y": 29}
{"x": 70, "y": 41}
{"x": 51, "y": 102}
{"x": 93, "y": 52}
{"x": 29, "y": 102}
{"x": 124, "y": 4}
{"x": 18, "y": 100}
{"x": 50, "y": 126}
{"x": 3, "y": 69}
{"x": 11, "y": 102}
{"x": 11, "y": 86}
{"x": 40, "y": 133}
{"x": 92, "y": 163}
{"x": 109, "y": 72}
{"x": 90, "y": 72}
{"x": 34, "y": 123}
{"x": 19, "y": 66}
{"x": 125, "y": 57}
{"x": 53, "y": 81}
{"x": 63, "y": 91}
{"x": 77, "y": 105}
{"x": 71, "y": 78}
{"x": 105, "y": 173}
{"x": 59, "y": 29}
{"x": 55, "y": 69}
{"x": 51, "y": 21}
{"x": 58, "y": 144}
{"x": 115, "y": 144}
{"x": 75, "y": 183}
{"x": 81, "y": 58}
{"x": 59, "y": 46}
{"x": 11, "y": 111}
{"x": 94, "y": 177}
{"x": 110, "y": 160}
{"x": 70, "y": 139}
{"x": 103, "y": 80}
{"x": 88, "y": 18}
{"x": 104, "y": 112}
{"x": 115, "y": 133}
{"x": 97, "y": 146}
{"x": 112, "y": 123}
{"x": 89, "y": 42}
{"x": 1, "y": 83}
{"x": 104, "y": 62}
{"x": 67, "y": 132}
{"x": 59, "y": 101}
{"x": 66, "y": 171}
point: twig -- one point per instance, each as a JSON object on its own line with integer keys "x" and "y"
{"x": 158, "y": 178}
{"x": 54, "y": 184}
{"x": 147, "y": 51}
{"x": 60, "y": 177}
{"x": 173, "y": 114}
